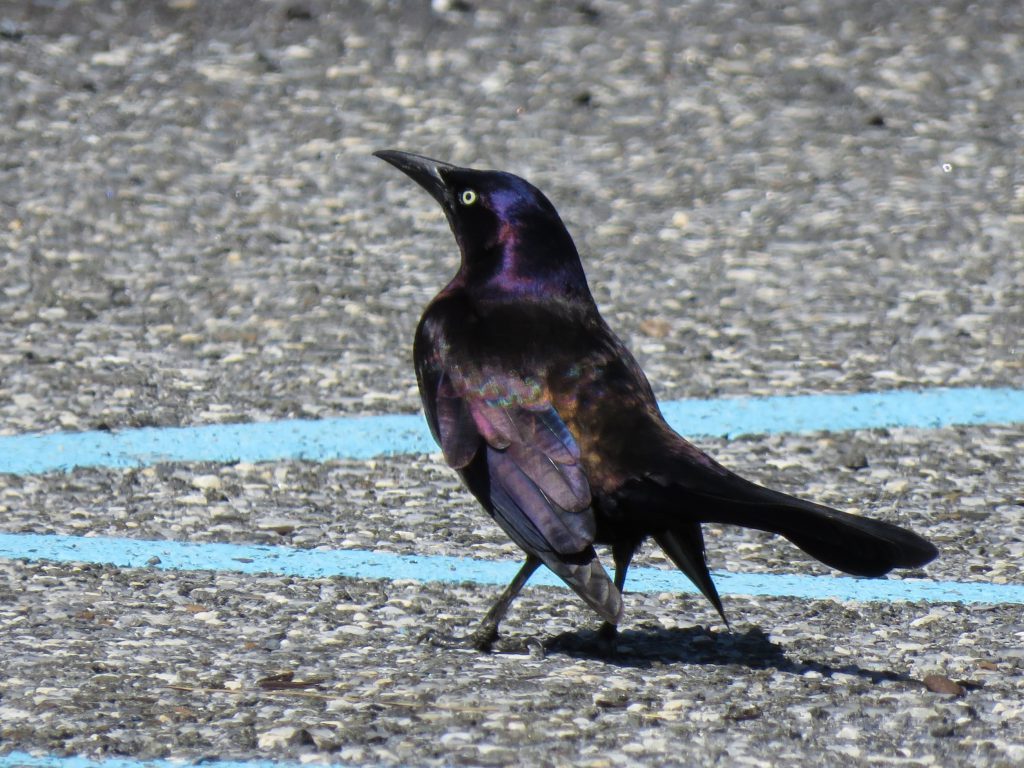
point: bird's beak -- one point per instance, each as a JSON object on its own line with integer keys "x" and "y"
{"x": 423, "y": 170}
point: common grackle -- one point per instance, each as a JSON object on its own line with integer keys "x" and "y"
{"x": 552, "y": 425}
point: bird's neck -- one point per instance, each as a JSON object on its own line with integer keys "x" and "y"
{"x": 518, "y": 267}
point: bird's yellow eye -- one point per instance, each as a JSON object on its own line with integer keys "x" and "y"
{"x": 468, "y": 197}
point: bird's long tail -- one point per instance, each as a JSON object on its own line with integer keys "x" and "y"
{"x": 858, "y": 545}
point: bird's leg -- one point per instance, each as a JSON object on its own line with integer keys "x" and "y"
{"x": 486, "y": 633}
{"x": 608, "y": 634}
{"x": 483, "y": 637}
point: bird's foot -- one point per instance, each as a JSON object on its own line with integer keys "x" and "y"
{"x": 607, "y": 642}
{"x": 602, "y": 644}
{"x": 472, "y": 642}
{"x": 484, "y": 640}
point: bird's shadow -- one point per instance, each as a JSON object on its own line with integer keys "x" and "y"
{"x": 651, "y": 646}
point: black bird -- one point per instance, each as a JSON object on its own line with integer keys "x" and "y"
{"x": 552, "y": 425}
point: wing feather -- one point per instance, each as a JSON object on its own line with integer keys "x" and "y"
{"x": 537, "y": 484}
{"x": 503, "y": 434}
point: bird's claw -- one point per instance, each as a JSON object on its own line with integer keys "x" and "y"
{"x": 476, "y": 641}
{"x": 439, "y": 639}
{"x": 602, "y": 644}
{"x": 484, "y": 640}
{"x": 607, "y": 642}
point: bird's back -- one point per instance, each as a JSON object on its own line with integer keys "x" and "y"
{"x": 543, "y": 351}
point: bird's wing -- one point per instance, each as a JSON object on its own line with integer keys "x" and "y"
{"x": 536, "y": 482}
{"x": 503, "y": 434}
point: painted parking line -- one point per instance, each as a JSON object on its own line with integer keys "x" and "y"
{"x": 363, "y": 564}
{"x": 370, "y": 436}
{"x": 342, "y": 438}
{"x": 28, "y": 760}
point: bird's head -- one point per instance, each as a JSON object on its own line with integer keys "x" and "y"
{"x": 510, "y": 235}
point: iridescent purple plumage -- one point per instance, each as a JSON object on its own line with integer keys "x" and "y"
{"x": 552, "y": 425}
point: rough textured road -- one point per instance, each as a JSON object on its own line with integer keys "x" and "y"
{"x": 769, "y": 198}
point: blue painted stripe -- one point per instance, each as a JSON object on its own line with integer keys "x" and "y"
{"x": 369, "y": 436}
{"x": 27, "y": 760}
{"x": 928, "y": 409}
{"x": 349, "y": 438}
{"x": 362, "y": 564}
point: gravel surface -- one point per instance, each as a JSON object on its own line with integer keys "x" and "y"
{"x": 770, "y": 199}
{"x": 195, "y": 230}
{"x": 150, "y": 664}
{"x": 415, "y": 504}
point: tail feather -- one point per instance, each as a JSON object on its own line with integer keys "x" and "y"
{"x": 675, "y": 507}
{"x": 685, "y": 546}
{"x": 690, "y": 486}
{"x": 857, "y": 545}
{"x": 588, "y": 579}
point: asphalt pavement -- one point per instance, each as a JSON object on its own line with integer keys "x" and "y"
{"x": 770, "y": 199}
